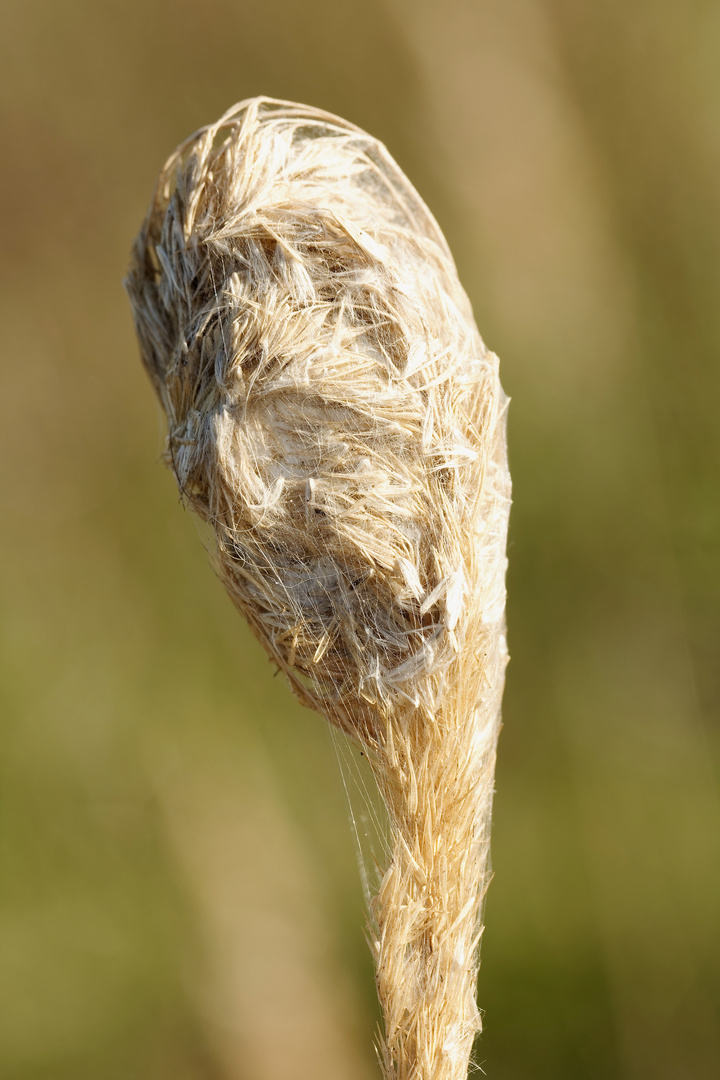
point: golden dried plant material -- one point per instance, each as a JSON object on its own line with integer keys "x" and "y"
{"x": 335, "y": 416}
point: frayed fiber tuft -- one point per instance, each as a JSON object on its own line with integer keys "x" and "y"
{"x": 335, "y": 416}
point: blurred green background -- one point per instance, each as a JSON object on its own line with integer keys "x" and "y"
{"x": 180, "y": 898}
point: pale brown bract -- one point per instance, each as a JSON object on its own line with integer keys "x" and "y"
{"x": 335, "y": 416}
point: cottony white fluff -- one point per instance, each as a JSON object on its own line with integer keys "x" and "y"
{"x": 333, "y": 413}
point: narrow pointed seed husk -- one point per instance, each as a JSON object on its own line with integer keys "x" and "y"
{"x": 335, "y": 416}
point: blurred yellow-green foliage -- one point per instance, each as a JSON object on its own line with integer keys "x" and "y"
{"x": 180, "y": 898}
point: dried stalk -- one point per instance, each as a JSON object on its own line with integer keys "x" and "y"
{"x": 333, "y": 413}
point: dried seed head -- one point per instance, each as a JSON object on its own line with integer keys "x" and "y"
{"x": 333, "y": 413}
{"x": 332, "y": 410}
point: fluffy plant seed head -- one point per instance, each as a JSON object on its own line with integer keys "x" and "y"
{"x": 334, "y": 415}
